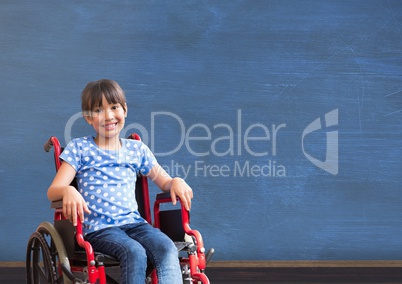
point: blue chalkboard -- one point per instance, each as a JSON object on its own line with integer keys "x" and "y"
{"x": 284, "y": 116}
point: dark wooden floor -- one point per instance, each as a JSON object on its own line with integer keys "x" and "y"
{"x": 305, "y": 275}
{"x": 299, "y": 273}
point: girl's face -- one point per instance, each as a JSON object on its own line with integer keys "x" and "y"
{"x": 107, "y": 120}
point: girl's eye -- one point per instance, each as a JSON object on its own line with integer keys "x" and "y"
{"x": 115, "y": 107}
{"x": 97, "y": 110}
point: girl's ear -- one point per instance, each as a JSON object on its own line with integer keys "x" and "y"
{"x": 126, "y": 109}
{"x": 88, "y": 119}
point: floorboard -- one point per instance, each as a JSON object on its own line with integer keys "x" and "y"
{"x": 273, "y": 272}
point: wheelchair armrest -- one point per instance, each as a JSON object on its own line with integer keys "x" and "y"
{"x": 79, "y": 236}
{"x": 57, "y": 204}
{"x": 163, "y": 195}
{"x": 185, "y": 222}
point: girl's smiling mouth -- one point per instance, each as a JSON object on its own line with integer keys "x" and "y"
{"x": 110, "y": 126}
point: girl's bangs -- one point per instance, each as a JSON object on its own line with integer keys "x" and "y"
{"x": 104, "y": 88}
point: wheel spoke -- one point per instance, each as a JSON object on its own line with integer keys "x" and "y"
{"x": 42, "y": 273}
{"x": 40, "y": 267}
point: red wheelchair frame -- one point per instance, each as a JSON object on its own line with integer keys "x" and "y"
{"x": 53, "y": 257}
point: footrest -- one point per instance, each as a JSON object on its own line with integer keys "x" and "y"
{"x": 80, "y": 258}
{"x": 182, "y": 245}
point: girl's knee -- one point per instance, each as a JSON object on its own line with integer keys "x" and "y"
{"x": 137, "y": 253}
{"x": 168, "y": 249}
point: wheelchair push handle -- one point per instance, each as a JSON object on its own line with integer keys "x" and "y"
{"x": 48, "y": 145}
{"x": 53, "y": 142}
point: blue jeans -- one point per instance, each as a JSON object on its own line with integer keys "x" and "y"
{"x": 132, "y": 245}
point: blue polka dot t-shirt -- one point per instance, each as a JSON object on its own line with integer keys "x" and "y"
{"x": 106, "y": 179}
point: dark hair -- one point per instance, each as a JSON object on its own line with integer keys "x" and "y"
{"x": 91, "y": 96}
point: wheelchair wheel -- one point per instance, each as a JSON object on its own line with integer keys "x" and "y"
{"x": 45, "y": 257}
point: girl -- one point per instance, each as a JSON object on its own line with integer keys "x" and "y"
{"x": 106, "y": 167}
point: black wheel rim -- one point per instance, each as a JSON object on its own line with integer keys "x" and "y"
{"x": 40, "y": 267}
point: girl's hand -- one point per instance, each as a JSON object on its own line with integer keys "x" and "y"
{"x": 74, "y": 205}
{"x": 179, "y": 188}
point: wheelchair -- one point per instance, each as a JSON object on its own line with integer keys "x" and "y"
{"x": 58, "y": 253}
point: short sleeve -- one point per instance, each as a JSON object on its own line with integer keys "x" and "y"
{"x": 71, "y": 155}
{"x": 148, "y": 160}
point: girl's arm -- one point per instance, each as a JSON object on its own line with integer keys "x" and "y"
{"x": 177, "y": 186}
{"x": 73, "y": 203}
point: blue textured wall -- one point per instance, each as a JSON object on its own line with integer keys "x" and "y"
{"x": 286, "y": 115}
